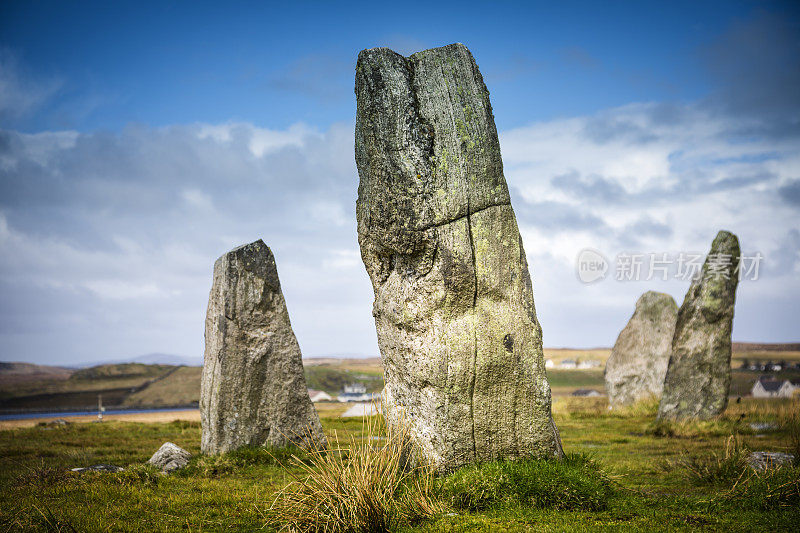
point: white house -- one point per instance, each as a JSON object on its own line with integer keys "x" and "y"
{"x": 591, "y": 393}
{"x": 568, "y": 364}
{"x": 357, "y": 393}
{"x": 355, "y": 388}
{"x": 773, "y": 388}
{"x": 319, "y": 396}
{"x": 589, "y": 363}
{"x": 549, "y": 363}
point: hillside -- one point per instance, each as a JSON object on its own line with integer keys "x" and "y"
{"x": 49, "y": 389}
{"x": 11, "y": 373}
{"x": 181, "y": 386}
{"x": 765, "y": 347}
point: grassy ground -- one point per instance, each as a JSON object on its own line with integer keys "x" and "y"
{"x": 234, "y": 493}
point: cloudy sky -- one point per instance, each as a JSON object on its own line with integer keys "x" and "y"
{"x": 140, "y": 142}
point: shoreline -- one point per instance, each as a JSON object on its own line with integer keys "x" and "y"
{"x": 140, "y": 415}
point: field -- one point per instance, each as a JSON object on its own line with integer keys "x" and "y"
{"x": 652, "y": 491}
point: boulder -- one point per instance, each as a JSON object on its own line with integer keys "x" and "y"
{"x": 638, "y": 362}
{"x": 170, "y": 457}
{"x": 699, "y": 371}
{"x": 253, "y": 391}
{"x": 761, "y": 461}
{"x": 454, "y": 311}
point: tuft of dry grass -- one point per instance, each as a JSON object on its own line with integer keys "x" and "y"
{"x": 768, "y": 490}
{"x": 364, "y": 486}
{"x": 43, "y": 475}
{"x": 728, "y": 467}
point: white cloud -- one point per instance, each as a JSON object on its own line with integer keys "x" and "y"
{"x": 261, "y": 140}
{"x": 107, "y": 241}
{"x": 197, "y": 199}
{"x": 342, "y": 260}
{"x": 20, "y": 93}
{"x": 647, "y": 178}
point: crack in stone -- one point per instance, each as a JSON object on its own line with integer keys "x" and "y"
{"x": 456, "y": 219}
{"x": 474, "y": 332}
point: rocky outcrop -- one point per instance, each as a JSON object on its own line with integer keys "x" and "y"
{"x": 454, "y": 311}
{"x": 253, "y": 391}
{"x": 699, "y": 371}
{"x": 638, "y": 362}
{"x": 170, "y": 457}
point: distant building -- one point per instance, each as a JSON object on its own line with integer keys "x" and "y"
{"x": 319, "y": 396}
{"x": 355, "y": 388}
{"x": 568, "y": 364}
{"x": 548, "y": 363}
{"x": 357, "y": 393}
{"x": 591, "y": 363}
{"x": 586, "y": 393}
{"x": 773, "y": 388}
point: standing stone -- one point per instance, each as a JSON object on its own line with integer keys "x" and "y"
{"x": 699, "y": 372}
{"x": 253, "y": 391}
{"x": 638, "y": 362}
{"x": 457, "y": 327}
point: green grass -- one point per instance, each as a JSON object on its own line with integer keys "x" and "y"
{"x": 573, "y": 483}
{"x": 634, "y": 482}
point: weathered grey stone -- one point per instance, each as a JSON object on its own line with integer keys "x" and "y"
{"x": 699, "y": 371}
{"x": 638, "y": 362}
{"x": 761, "y": 461}
{"x": 454, "y": 311}
{"x": 253, "y": 391}
{"x": 98, "y": 468}
{"x": 170, "y": 457}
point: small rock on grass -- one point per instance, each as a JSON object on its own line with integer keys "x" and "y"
{"x": 99, "y": 468}
{"x": 170, "y": 457}
{"x": 762, "y": 460}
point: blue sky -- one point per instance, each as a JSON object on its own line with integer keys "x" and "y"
{"x": 140, "y": 141}
{"x": 113, "y": 63}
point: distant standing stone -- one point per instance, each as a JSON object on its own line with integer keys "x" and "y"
{"x": 638, "y": 362}
{"x": 699, "y": 371}
{"x": 170, "y": 457}
{"x": 253, "y": 391}
{"x": 456, "y": 322}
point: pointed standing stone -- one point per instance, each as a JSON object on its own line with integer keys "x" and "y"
{"x": 253, "y": 391}
{"x": 699, "y": 372}
{"x": 457, "y": 327}
{"x": 638, "y": 362}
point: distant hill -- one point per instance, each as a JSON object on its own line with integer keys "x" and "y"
{"x": 148, "y": 359}
{"x": 766, "y": 347}
{"x": 120, "y": 371}
{"x": 11, "y": 373}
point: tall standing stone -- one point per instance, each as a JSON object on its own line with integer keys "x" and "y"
{"x": 699, "y": 372}
{"x": 457, "y": 327}
{"x": 638, "y": 362}
{"x": 253, "y": 391}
